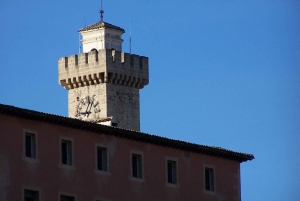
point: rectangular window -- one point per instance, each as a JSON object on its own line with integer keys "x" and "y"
{"x": 30, "y": 195}
{"x": 172, "y": 171}
{"x": 209, "y": 179}
{"x": 30, "y": 145}
{"x": 67, "y": 198}
{"x": 66, "y": 152}
{"x": 137, "y": 168}
{"x": 102, "y": 159}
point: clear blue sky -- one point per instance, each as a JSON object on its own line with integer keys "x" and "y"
{"x": 222, "y": 73}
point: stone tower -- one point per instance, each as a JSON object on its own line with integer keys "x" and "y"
{"x": 103, "y": 82}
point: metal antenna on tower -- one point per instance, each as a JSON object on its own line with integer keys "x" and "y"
{"x": 101, "y": 13}
{"x": 79, "y": 45}
{"x": 130, "y": 38}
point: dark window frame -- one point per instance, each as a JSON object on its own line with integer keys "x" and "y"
{"x": 66, "y": 152}
{"x": 67, "y": 198}
{"x": 30, "y": 145}
{"x": 172, "y": 172}
{"x": 102, "y": 159}
{"x": 209, "y": 174}
{"x": 31, "y": 195}
{"x": 137, "y": 165}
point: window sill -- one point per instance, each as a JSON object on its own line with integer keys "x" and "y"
{"x": 209, "y": 192}
{"x": 137, "y": 179}
{"x": 30, "y": 160}
{"x": 67, "y": 167}
{"x": 106, "y": 173}
{"x": 172, "y": 185}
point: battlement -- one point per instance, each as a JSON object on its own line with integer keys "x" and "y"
{"x": 103, "y": 66}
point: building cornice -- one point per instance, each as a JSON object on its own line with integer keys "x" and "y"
{"x": 123, "y": 133}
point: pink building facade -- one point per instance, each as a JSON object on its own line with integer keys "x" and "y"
{"x": 49, "y": 157}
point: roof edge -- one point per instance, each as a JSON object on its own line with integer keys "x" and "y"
{"x": 99, "y": 25}
{"x": 124, "y": 133}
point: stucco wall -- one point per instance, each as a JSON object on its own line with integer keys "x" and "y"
{"x": 83, "y": 181}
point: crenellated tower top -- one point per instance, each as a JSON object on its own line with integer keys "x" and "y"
{"x": 103, "y": 82}
{"x": 103, "y": 66}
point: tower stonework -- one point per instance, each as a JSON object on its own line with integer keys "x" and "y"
{"x": 104, "y": 83}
